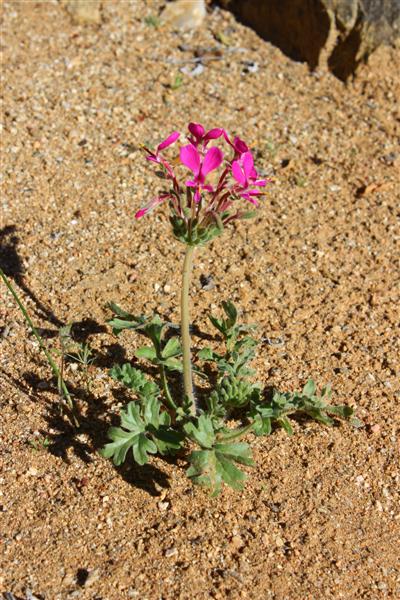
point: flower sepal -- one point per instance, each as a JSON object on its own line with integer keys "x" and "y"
{"x": 198, "y": 233}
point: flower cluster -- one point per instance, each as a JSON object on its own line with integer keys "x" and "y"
{"x": 204, "y": 201}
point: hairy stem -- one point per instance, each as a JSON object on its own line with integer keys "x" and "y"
{"x": 185, "y": 322}
{"x": 61, "y": 384}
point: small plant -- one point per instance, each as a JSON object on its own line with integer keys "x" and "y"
{"x": 152, "y": 21}
{"x": 39, "y": 443}
{"x": 177, "y": 83}
{"x": 229, "y": 403}
{"x": 78, "y": 353}
{"x": 65, "y": 396}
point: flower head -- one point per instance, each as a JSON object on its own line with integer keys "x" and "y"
{"x": 200, "y": 166}
{"x": 196, "y": 203}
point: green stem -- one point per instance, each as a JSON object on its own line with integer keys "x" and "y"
{"x": 61, "y": 383}
{"x": 236, "y": 433}
{"x": 167, "y": 393}
{"x": 185, "y": 323}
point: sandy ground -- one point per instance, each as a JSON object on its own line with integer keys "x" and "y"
{"x": 319, "y": 518}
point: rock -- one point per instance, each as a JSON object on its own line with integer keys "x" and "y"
{"x": 337, "y": 33}
{"x": 184, "y": 15}
{"x": 83, "y": 11}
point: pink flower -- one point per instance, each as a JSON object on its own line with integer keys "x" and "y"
{"x": 244, "y": 173}
{"x": 199, "y": 135}
{"x": 200, "y": 167}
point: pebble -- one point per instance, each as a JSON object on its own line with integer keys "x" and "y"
{"x": 184, "y": 15}
{"x": 171, "y": 552}
{"x": 236, "y": 542}
{"x": 279, "y": 542}
{"x": 92, "y": 577}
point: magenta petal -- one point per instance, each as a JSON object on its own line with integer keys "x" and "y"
{"x": 140, "y": 213}
{"x": 260, "y": 182}
{"x": 197, "y": 130}
{"x": 254, "y": 192}
{"x": 248, "y": 164}
{"x": 213, "y": 134}
{"x": 238, "y": 173}
{"x": 240, "y": 146}
{"x": 170, "y": 140}
{"x": 212, "y": 160}
{"x": 190, "y": 158}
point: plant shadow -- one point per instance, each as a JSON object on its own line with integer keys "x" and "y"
{"x": 85, "y": 442}
{"x": 12, "y": 265}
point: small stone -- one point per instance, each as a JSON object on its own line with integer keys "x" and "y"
{"x": 156, "y": 287}
{"x": 92, "y": 577}
{"x": 381, "y": 585}
{"x": 84, "y": 11}
{"x": 236, "y": 542}
{"x": 171, "y": 552}
{"x": 163, "y": 506}
{"x": 167, "y": 288}
{"x": 32, "y": 472}
{"x": 184, "y": 15}
{"x": 207, "y": 282}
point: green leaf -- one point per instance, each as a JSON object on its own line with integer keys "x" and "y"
{"x": 173, "y": 364}
{"x": 285, "y": 423}
{"x": 206, "y": 354}
{"x": 218, "y": 324}
{"x": 211, "y": 468}
{"x": 123, "y": 319}
{"x": 231, "y": 312}
{"x": 146, "y": 352}
{"x": 201, "y": 431}
{"x": 309, "y": 388}
{"x": 145, "y": 430}
{"x": 262, "y": 425}
{"x": 172, "y": 348}
{"x": 135, "y": 380}
{"x": 343, "y": 410}
{"x": 135, "y": 439}
{"x": 120, "y": 312}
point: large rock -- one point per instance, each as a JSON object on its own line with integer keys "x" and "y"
{"x": 341, "y": 33}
